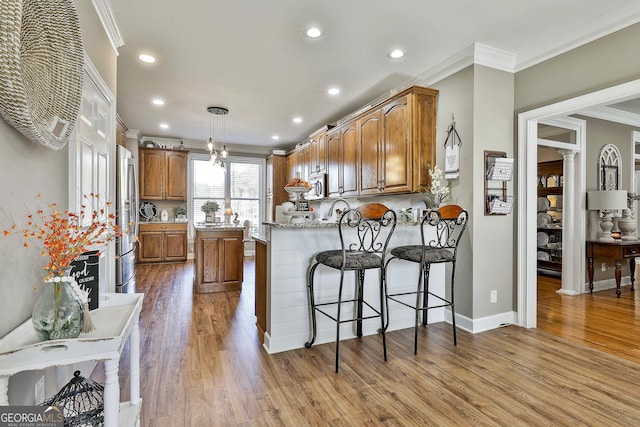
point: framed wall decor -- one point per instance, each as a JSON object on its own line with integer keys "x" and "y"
{"x": 609, "y": 168}
{"x": 609, "y": 177}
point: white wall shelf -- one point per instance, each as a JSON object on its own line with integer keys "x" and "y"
{"x": 116, "y": 321}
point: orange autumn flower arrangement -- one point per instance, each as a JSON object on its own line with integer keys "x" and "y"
{"x": 65, "y": 235}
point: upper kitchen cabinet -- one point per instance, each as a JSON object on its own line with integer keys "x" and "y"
{"x": 342, "y": 160}
{"x": 163, "y": 174}
{"x": 276, "y": 180}
{"x": 318, "y": 152}
{"x": 397, "y": 143}
{"x": 395, "y": 146}
{"x": 371, "y": 158}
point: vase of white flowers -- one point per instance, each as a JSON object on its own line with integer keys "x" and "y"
{"x": 439, "y": 190}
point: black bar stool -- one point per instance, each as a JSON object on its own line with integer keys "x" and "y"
{"x": 449, "y": 223}
{"x": 364, "y": 236}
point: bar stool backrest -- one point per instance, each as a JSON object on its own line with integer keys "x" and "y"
{"x": 449, "y": 222}
{"x": 367, "y": 228}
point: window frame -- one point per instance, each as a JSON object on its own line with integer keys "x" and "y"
{"x": 261, "y": 162}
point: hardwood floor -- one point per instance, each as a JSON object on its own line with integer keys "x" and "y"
{"x": 203, "y": 365}
{"x": 599, "y": 320}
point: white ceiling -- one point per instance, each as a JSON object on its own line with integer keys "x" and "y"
{"x": 252, "y": 58}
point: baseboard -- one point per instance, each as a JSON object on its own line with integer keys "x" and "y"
{"x": 482, "y": 324}
{"x": 602, "y": 285}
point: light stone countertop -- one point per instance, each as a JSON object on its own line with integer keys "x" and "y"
{"x": 318, "y": 224}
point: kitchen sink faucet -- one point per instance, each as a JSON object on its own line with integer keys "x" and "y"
{"x": 334, "y": 204}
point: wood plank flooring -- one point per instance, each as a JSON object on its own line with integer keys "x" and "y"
{"x": 203, "y": 365}
{"x": 599, "y": 320}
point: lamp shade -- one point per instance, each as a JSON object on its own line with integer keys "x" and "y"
{"x": 228, "y": 211}
{"x": 606, "y": 200}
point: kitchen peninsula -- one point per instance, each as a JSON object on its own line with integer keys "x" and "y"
{"x": 219, "y": 257}
{"x": 283, "y": 256}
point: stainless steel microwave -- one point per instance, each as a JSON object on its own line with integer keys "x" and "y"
{"x": 318, "y": 186}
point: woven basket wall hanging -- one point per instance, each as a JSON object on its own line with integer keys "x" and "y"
{"x": 41, "y": 68}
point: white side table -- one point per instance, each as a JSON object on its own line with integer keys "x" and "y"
{"x": 116, "y": 321}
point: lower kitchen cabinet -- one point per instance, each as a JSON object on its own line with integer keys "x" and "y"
{"x": 219, "y": 259}
{"x": 160, "y": 242}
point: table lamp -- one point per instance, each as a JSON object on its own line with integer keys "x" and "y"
{"x": 605, "y": 202}
{"x": 228, "y": 212}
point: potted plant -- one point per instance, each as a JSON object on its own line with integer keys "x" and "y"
{"x": 210, "y": 207}
{"x": 180, "y": 213}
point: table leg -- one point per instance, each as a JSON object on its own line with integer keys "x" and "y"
{"x": 618, "y": 277}
{"x": 111, "y": 393}
{"x": 590, "y": 271}
{"x": 4, "y": 391}
{"x": 134, "y": 364}
{"x": 632, "y": 271}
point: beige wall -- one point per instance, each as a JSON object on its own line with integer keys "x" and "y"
{"x": 482, "y": 100}
{"x": 26, "y": 170}
{"x": 597, "y": 65}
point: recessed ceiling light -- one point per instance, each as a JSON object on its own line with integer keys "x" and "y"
{"x": 164, "y": 126}
{"x": 333, "y": 91}
{"x": 157, "y": 101}
{"x": 147, "y": 58}
{"x": 313, "y": 32}
{"x": 297, "y": 120}
{"x": 275, "y": 137}
{"x": 396, "y": 54}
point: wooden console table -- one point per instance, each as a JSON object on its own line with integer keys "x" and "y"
{"x": 616, "y": 250}
{"x": 116, "y": 321}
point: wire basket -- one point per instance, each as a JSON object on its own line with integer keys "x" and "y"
{"x": 82, "y": 402}
{"x": 41, "y": 68}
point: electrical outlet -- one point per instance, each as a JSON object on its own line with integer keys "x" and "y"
{"x": 494, "y": 296}
{"x": 39, "y": 391}
{"x": 604, "y": 266}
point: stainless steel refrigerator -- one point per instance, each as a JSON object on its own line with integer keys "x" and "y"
{"x": 127, "y": 217}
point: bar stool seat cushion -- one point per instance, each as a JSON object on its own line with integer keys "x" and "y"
{"x": 414, "y": 253}
{"x": 354, "y": 260}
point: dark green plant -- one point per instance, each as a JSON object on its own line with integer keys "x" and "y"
{"x": 210, "y": 206}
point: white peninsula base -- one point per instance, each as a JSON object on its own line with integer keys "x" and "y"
{"x": 290, "y": 249}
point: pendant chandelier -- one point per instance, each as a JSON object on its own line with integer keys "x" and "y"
{"x": 218, "y": 114}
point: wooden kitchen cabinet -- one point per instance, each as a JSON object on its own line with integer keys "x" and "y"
{"x": 393, "y": 144}
{"x": 261, "y": 287}
{"x": 276, "y": 180}
{"x": 219, "y": 259}
{"x": 318, "y": 153}
{"x": 163, "y": 174}
{"x": 342, "y": 160}
{"x": 160, "y": 242}
{"x": 371, "y": 154}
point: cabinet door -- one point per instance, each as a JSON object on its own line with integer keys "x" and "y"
{"x": 231, "y": 257}
{"x": 334, "y": 179}
{"x": 176, "y": 176}
{"x": 350, "y": 142}
{"x": 269, "y": 175}
{"x": 305, "y": 169}
{"x": 151, "y": 174}
{"x": 210, "y": 266}
{"x": 371, "y": 157}
{"x": 175, "y": 246}
{"x": 321, "y": 164}
{"x": 397, "y": 151}
{"x": 150, "y": 247}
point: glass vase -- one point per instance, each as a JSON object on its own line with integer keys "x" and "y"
{"x": 57, "y": 313}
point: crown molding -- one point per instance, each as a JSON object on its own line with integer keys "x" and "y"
{"x": 612, "y": 115}
{"x": 477, "y": 53}
{"x": 494, "y": 58}
{"x": 578, "y": 36}
{"x": 105, "y": 13}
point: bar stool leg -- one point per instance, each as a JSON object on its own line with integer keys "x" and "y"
{"x": 418, "y": 310}
{"x": 359, "y": 299}
{"x": 425, "y": 315}
{"x": 382, "y": 313}
{"x": 338, "y": 320}
{"x": 312, "y": 306}
{"x": 453, "y": 311}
